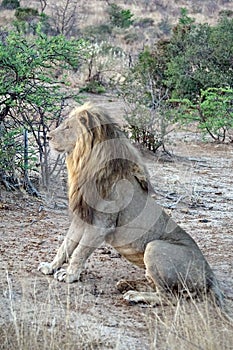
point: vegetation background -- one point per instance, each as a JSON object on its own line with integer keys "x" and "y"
{"x": 170, "y": 63}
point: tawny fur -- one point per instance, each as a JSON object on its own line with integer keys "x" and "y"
{"x": 110, "y": 200}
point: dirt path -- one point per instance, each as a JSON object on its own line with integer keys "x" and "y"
{"x": 195, "y": 186}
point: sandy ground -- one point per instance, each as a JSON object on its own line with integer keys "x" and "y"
{"x": 195, "y": 186}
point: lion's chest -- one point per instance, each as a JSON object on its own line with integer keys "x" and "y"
{"x": 127, "y": 248}
{"x": 133, "y": 256}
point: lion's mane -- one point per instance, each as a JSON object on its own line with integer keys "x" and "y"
{"x": 101, "y": 157}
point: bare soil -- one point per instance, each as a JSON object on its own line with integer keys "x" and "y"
{"x": 195, "y": 185}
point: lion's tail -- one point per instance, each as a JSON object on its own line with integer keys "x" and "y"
{"x": 216, "y": 292}
{"x": 219, "y": 300}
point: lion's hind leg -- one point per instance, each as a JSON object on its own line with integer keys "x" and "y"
{"x": 174, "y": 270}
{"x": 177, "y": 269}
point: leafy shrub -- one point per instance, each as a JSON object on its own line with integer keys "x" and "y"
{"x": 226, "y": 13}
{"x": 213, "y": 112}
{"x": 93, "y": 86}
{"x": 188, "y": 76}
{"x": 119, "y": 17}
{"x": 144, "y": 95}
{"x": 97, "y": 33}
{"x": 10, "y": 4}
{"x": 165, "y": 26}
{"x": 26, "y": 13}
{"x": 101, "y": 65}
{"x": 131, "y": 37}
{"x": 32, "y": 97}
{"x": 16, "y": 156}
{"x": 144, "y": 22}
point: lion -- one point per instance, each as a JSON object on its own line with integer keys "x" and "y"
{"x": 111, "y": 200}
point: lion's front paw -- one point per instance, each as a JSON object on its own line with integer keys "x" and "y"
{"x": 45, "y": 268}
{"x": 62, "y": 276}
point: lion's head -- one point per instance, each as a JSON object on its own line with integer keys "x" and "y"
{"x": 64, "y": 138}
{"x": 98, "y": 156}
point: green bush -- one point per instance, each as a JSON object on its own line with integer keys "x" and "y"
{"x": 199, "y": 56}
{"x": 97, "y": 33}
{"x": 144, "y": 93}
{"x": 26, "y": 13}
{"x": 15, "y": 159}
{"x": 119, "y": 17}
{"x": 10, "y": 4}
{"x": 212, "y": 112}
{"x": 144, "y": 22}
{"x": 131, "y": 38}
{"x": 32, "y": 96}
{"x": 94, "y": 87}
{"x": 165, "y": 26}
{"x": 226, "y": 13}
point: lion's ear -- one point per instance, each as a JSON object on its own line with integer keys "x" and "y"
{"x": 83, "y": 118}
{"x": 86, "y": 119}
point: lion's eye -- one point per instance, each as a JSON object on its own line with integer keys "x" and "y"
{"x": 67, "y": 127}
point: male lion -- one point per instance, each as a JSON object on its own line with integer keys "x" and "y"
{"x": 110, "y": 200}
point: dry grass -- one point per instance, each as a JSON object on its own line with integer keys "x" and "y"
{"x": 190, "y": 325}
{"x": 56, "y": 321}
{"x": 50, "y": 322}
